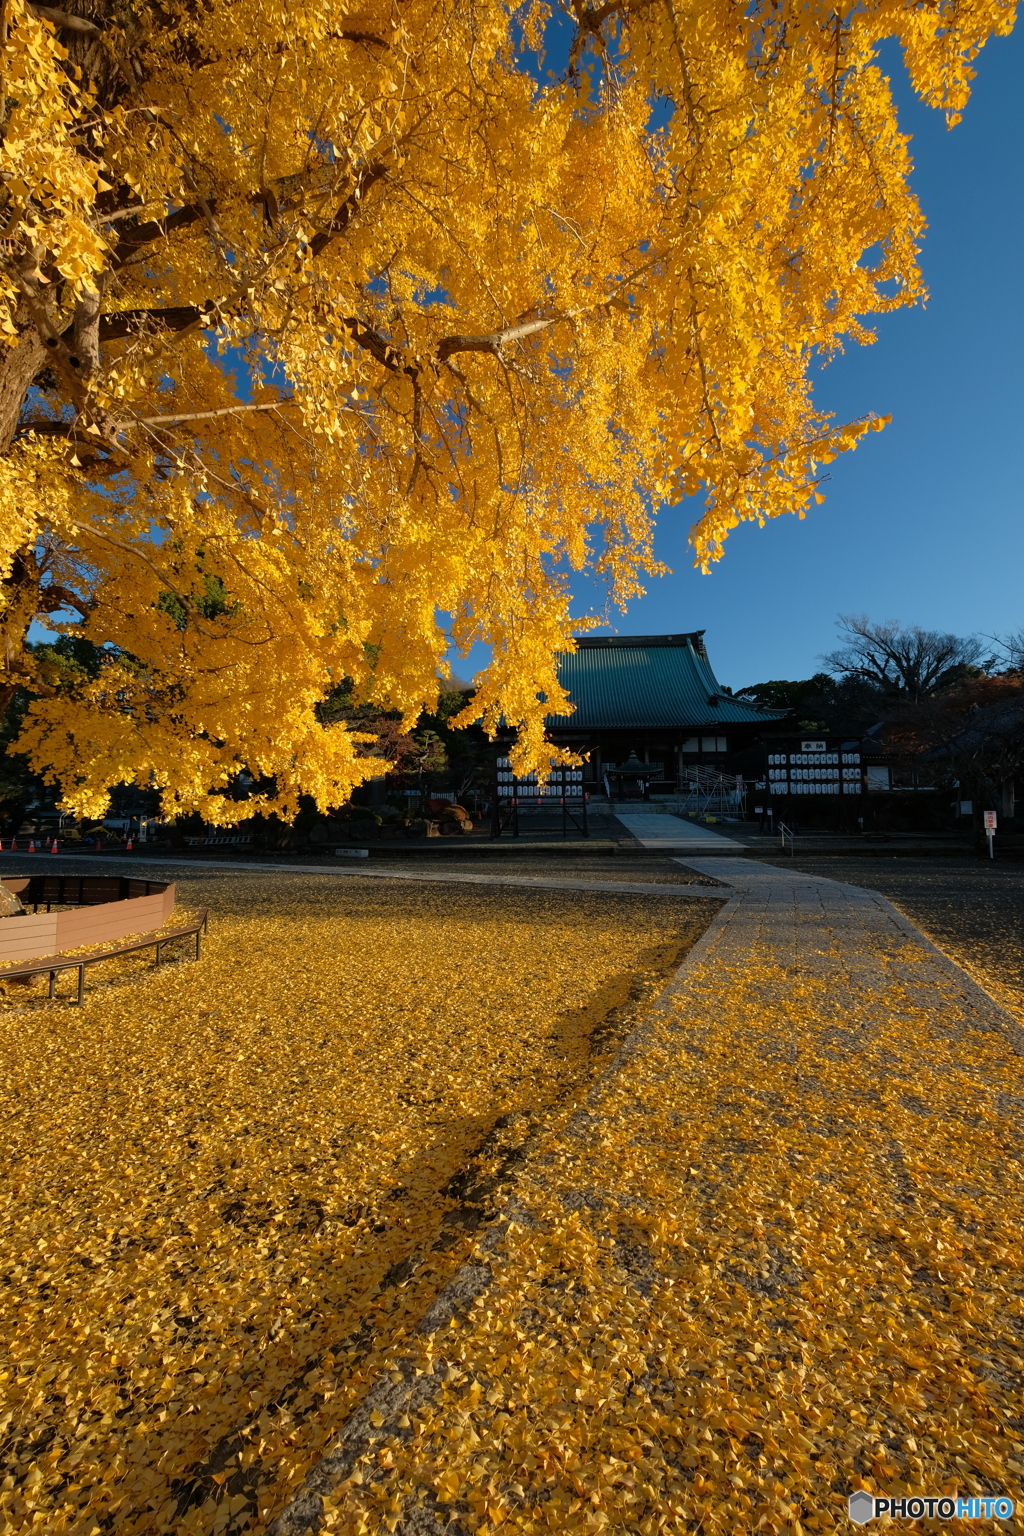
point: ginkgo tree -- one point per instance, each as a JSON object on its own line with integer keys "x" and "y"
{"x": 334, "y": 335}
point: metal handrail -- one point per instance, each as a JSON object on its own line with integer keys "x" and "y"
{"x": 785, "y": 832}
{"x": 218, "y": 842}
{"x": 708, "y": 790}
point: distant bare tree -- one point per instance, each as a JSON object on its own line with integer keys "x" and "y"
{"x": 1011, "y": 650}
{"x": 976, "y": 732}
{"x": 910, "y": 663}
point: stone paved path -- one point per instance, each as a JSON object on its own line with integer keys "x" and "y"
{"x": 852, "y": 938}
{"x": 663, "y": 830}
{"x": 770, "y": 1260}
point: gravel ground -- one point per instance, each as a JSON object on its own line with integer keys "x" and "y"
{"x": 973, "y": 910}
{"x": 234, "y": 1183}
{"x": 635, "y": 867}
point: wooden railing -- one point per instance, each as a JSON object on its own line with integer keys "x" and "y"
{"x": 52, "y": 965}
{"x": 90, "y": 909}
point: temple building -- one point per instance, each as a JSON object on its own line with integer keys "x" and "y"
{"x": 652, "y": 700}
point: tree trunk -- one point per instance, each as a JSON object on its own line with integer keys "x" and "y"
{"x": 19, "y": 365}
{"x": 1006, "y": 799}
{"x": 7, "y": 691}
{"x": 19, "y": 589}
{"x": 20, "y": 603}
{"x": 86, "y": 329}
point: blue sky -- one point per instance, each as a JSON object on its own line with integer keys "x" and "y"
{"x": 923, "y": 522}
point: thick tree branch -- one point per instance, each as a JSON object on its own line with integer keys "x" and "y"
{"x": 364, "y": 37}
{"x": 589, "y": 22}
{"x": 133, "y": 240}
{"x": 52, "y": 598}
{"x": 134, "y": 322}
{"x": 348, "y": 209}
{"x": 130, "y": 322}
{"x": 371, "y": 341}
{"x": 62, "y": 19}
{"x": 137, "y": 322}
{"x": 85, "y": 330}
{"x": 48, "y": 428}
{"x": 492, "y": 342}
{"x": 496, "y": 340}
{"x": 156, "y": 229}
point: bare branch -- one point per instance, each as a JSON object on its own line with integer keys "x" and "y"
{"x": 71, "y": 429}
{"x": 131, "y": 212}
{"x": 136, "y": 553}
{"x": 227, "y": 410}
{"x": 909, "y": 661}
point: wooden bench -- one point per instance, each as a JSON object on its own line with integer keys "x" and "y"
{"x": 51, "y": 964}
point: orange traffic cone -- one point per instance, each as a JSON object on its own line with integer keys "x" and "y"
{"x": 31, "y": 845}
{"x": 55, "y": 849}
{"x": 128, "y": 846}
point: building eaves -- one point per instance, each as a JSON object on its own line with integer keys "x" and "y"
{"x": 648, "y": 682}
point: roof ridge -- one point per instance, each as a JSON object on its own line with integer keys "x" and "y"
{"x": 692, "y": 637}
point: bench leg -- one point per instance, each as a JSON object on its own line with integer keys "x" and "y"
{"x": 81, "y": 984}
{"x": 159, "y": 952}
{"x": 198, "y": 941}
{"x": 53, "y": 982}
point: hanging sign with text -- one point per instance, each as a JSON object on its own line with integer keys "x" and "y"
{"x": 814, "y": 773}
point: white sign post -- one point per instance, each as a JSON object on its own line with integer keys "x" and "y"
{"x": 990, "y": 830}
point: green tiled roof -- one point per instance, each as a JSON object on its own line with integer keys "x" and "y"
{"x": 654, "y": 681}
